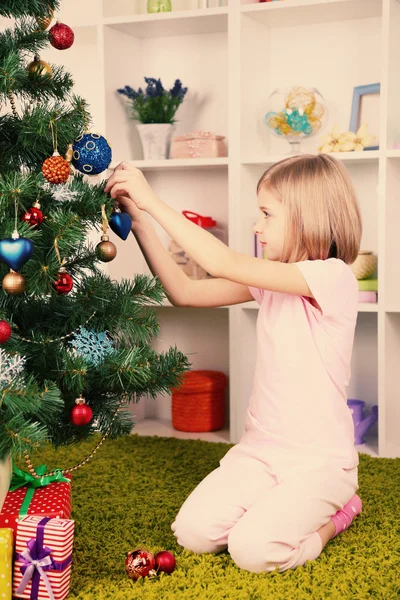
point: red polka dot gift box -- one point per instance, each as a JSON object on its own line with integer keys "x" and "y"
{"x": 46, "y": 497}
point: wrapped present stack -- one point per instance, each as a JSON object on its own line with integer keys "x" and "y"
{"x": 36, "y": 537}
{"x": 368, "y": 290}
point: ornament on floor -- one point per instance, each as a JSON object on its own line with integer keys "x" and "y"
{"x": 14, "y": 283}
{"x": 92, "y": 153}
{"x": 105, "y": 250}
{"x": 55, "y": 168}
{"x": 33, "y": 216}
{"x": 64, "y": 282}
{"x": 121, "y": 224}
{"x": 5, "y": 331}
{"x": 92, "y": 346}
{"x": 81, "y": 413}
{"x": 11, "y": 365}
{"x": 165, "y": 562}
{"x": 140, "y": 563}
{"x": 39, "y": 68}
{"x": 61, "y": 36}
{"x": 45, "y": 21}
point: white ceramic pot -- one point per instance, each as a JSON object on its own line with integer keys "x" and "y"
{"x": 156, "y": 140}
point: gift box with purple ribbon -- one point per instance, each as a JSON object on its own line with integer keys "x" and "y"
{"x": 43, "y": 555}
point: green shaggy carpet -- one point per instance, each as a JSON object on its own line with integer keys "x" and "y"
{"x": 128, "y": 495}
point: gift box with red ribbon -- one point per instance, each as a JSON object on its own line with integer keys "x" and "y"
{"x": 44, "y": 497}
{"x": 43, "y": 556}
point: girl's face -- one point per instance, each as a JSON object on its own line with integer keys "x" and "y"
{"x": 270, "y": 225}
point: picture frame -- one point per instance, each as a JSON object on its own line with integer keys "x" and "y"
{"x": 365, "y": 109}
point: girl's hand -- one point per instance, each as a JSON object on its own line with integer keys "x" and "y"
{"x": 125, "y": 204}
{"x": 129, "y": 181}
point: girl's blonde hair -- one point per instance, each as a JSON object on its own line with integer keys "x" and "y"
{"x": 322, "y": 211}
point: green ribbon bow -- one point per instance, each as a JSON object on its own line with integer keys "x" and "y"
{"x": 23, "y": 479}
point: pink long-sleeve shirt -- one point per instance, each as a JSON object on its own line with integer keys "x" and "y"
{"x": 298, "y": 414}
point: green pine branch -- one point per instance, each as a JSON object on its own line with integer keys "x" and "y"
{"x": 26, "y": 8}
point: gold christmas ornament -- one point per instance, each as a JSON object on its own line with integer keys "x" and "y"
{"x": 39, "y": 67}
{"x": 106, "y": 250}
{"x": 44, "y": 22}
{"x": 14, "y": 283}
{"x": 69, "y": 153}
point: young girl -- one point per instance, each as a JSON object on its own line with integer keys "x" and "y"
{"x": 290, "y": 484}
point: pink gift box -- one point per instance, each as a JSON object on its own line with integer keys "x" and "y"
{"x": 198, "y": 144}
{"x": 367, "y": 296}
{"x": 47, "y": 542}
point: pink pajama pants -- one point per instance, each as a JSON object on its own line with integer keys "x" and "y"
{"x": 264, "y": 524}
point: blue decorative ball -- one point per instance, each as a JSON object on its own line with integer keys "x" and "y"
{"x": 91, "y": 153}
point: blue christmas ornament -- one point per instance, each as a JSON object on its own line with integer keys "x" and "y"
{"x": 92, "y": 346}
{"x": 16, "y": 251}
{"x": 121, "y": 224}
{"x": 91, "y": 153}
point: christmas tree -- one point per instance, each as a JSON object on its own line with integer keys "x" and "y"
{"x": 75, "y": 345}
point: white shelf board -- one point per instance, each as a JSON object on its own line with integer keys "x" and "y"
{"x": 308, "y": 12}
{"x": 370, "y": 447}
{"x": 164, "y": 428}
{"x": 362, "y": 306}
{"x": 366, "y": 156}
{"x": 175, "y": 163}
{"x": 168, "y": 24}
{"x": 395, "y": 153}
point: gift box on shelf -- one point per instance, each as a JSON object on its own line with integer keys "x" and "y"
{"x": 368, "y": 290}
{"x": 6, "y": 556}
{"x": 198, "y": 144}
{"x": 43, "y": 556}
{"x": 368, "y": 285}
{"x": 45, "y": 497}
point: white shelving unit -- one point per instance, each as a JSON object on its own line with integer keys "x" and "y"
{"x": 231, "y": 58}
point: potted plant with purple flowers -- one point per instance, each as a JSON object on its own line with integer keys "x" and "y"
{"x": 155, "y": 110}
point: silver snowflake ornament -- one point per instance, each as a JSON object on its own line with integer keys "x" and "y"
{"x": 92, "y": 346}
{"x": 11, "y": 365}
{"x": 60, "y": 193}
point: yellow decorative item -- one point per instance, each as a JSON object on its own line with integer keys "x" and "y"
{"x": 362, "y": 139}
{"x": 365, "y": 264}
{"x": 6, "y": 555}
{"x": 5, "y": 479}
{"x": 347, "y": 141}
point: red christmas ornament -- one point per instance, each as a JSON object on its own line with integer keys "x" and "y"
{"x": 33, "y": 216}
{"x": 61, "y": 36}
{"x": 165, "y": 561}
{"x": 5, "y": 332}
{"x": 64, "y": 282}
{"x": 139, "y": 563}
{"x": 81, "y": 413}
{"x": 56, "y": 169}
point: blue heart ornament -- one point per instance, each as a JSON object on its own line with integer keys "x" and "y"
{"x": 15, "y": 253}
{"x": 121, "y": 224}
